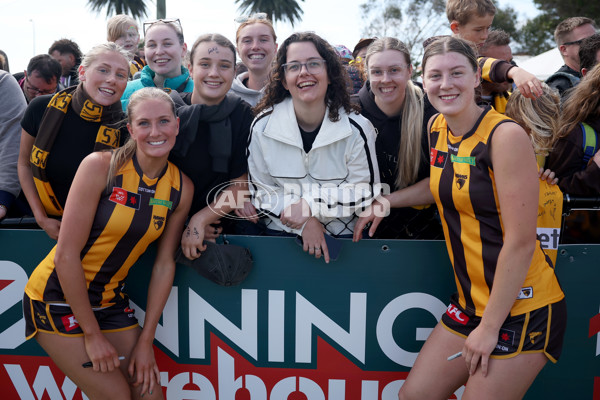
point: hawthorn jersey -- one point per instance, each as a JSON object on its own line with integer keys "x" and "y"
{"x": 131, "y": 214}
{"x": 462, "y": 183}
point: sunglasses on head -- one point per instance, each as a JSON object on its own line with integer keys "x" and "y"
{"x": 148, "y": 24}
{"x": 260, "y": 16}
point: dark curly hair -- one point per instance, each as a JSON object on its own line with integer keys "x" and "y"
{"x": 336, "y": 96}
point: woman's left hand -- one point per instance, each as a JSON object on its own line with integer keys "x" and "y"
{"x": 478, "y": 347}
{"x": 143, "y": 369}
{"x": 296, "y": 215}
{"x": 313, "y": 239}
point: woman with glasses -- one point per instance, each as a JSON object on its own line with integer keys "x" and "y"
{"x": 211, "y": 146}
{"x": 312, "y": 161}
{"x": 256, "y": 44}
{"x": 164, "y": 51}
{"x": 60, "y": 130}
{"x": 395, "y": 106}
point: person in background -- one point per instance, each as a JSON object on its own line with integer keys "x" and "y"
{"x": 256, "y": 44}
{"x": 12, "y": 107}
{"x": 211, "y": 146}
{"x": 589, "y": 53}
{"x": 358, "y": 54}
{"x": 41, "y": 77}
{"x": 311, "y": 161}
{"x": 4, "y": 62}
{"x": 568, "y": 36}
{"x": 68, "y": 54}
{"x": 74, "y": 303}
{"x": 395, "y": 106}
{"x": 355, "y": 80}
{"x": 496, "y": 45}
{"x": 123, "y": 30}
{"x": 471, "y": 20}
{"x": 60, "y": 130}
{"x": 165, "y": 49}
{"x": 576, "y": 158}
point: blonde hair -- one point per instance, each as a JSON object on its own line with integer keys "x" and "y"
{"x": 123, "y": 154}
{"x": 462, "y": 11}
{"x": 539, "y": 117}
{"x": 254, "y": 19}
{"x": 411, "y": 129}
{"x": 118, "y": 25}
{"x": 100, "y": 49}
{"x": 582, "y": 103}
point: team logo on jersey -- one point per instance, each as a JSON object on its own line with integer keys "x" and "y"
{"x": 525, "y": 293}
{"x": 437, "y": 158}
{"x": 460, "y": 180}
{"x": 125, "y": 198}
{"x": 533, "y": 335}
{"x": 158, "y": 222}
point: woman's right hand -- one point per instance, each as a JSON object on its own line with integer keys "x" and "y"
{"x": 377, "y": 211}
{"x": 101, "y": 352}
{"x": 313, "y": 239}
{"x": 192, "y": 240}
{"x": 51, "y": 226}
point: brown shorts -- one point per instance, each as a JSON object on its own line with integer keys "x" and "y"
{"x": 59, "y": 318}
{"x": 538, "y": 331}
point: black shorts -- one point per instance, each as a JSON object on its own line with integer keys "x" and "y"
{"x": 538, "y": 331}
{"x": 59, "y": 318}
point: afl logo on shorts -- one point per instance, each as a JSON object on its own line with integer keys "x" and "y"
{"x": 457, "y": 315}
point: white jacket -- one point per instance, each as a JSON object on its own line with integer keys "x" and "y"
{"x": 336, "y": 177}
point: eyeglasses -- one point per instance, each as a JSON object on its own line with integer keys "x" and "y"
{"x": 393, "y": 71}
{"x": 176, "y": 21}
{"x": 577, "y": 42}
{"x": 259, "y": 16}
{"x": 35, "y": 91}
{"x": 313, "y": 66}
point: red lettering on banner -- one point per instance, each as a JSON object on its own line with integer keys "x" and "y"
{"x": 457, "y": 315}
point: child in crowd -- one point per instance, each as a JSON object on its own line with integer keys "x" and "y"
{"x": 123, "y": 30}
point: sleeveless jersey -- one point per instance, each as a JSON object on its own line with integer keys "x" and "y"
{"x": 131, "y": 214}
{"x": 462, "y": 183}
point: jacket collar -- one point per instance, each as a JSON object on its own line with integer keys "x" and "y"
{"x": 283, "y": 126}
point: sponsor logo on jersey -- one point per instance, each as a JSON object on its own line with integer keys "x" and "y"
{"x": 438, "y": 158}
{"x": 462, "y": 160}
{"x": 533, "y": 335}
{"x": 125, "y": 198}
{"x": 457, "y": 315}
{"x": 506, "y": 337}
{"x": 525, "y": 293}
{"x": 160, "y": 202}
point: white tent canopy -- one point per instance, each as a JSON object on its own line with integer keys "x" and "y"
{"x": 543, "y": 65}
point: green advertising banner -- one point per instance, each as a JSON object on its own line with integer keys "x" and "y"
{"x": 298, "y": 328}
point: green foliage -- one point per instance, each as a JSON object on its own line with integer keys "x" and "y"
{"x": 277, "y": 10}
{"x": 562, "y": 9}
{"x": 505, "y": 19}
{"x": 134, "y": 8}
{"x": 411, "y": 21}
{"x": 537, "y": 35}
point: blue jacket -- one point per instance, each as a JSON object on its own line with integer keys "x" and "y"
{"x": 147, "y": 80}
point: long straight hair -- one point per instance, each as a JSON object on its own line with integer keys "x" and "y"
{"x": 411, "y": 127}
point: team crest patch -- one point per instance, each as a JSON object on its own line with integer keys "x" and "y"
{"x": 506, "y": 336}
{"x": 158, "y": 222}
{"x": 437, "y": 158}
{"x": 160, "y": 202}
{"x": 525, "y": 293}
{"x": 125, "y": 198}
{"x": 460, "y": 180}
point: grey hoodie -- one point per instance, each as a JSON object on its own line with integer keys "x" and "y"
{"x": 251, "y": 96}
